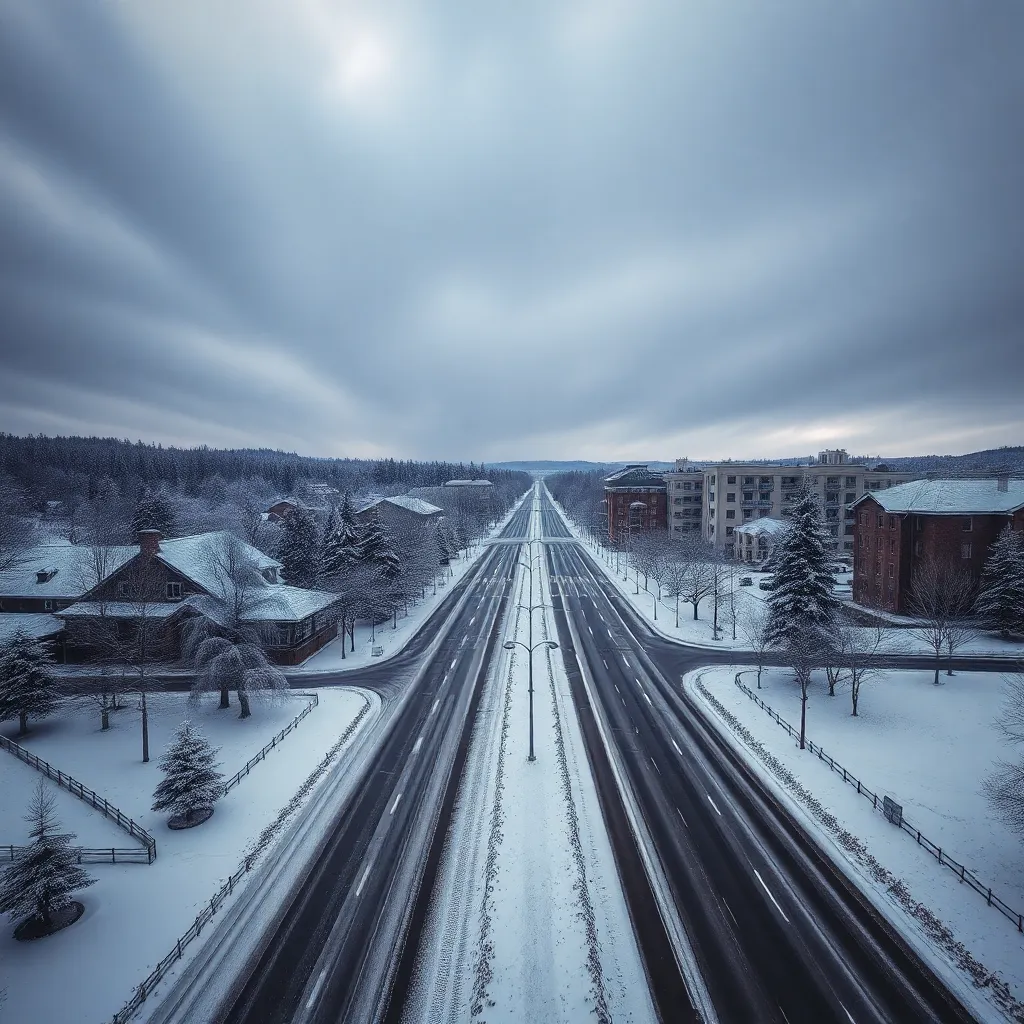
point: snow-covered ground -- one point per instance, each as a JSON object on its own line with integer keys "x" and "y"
{"x": 700, "y": 632}
{"x": 929, "y": 748}
{"x": 135, "y": 912}
{"x": 528, "y": 922}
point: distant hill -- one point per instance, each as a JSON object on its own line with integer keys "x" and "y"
{"x": 991, "y": 461}
{"x": 545, "y": 466}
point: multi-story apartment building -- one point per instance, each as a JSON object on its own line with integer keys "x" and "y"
{"x": 685, "y": 495}
{"x": 634, "y": 500}
{"x": 740, "y": 492}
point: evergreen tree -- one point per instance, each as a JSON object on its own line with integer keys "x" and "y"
{"x": 377, "y": 550}
{"x": 801, "y": 602}
{"x": 299, "y": 550}
{"x": 43, "y": 878}
{"x": 27, "y": 683}
{"x": 191, "y": 782}
{"x": 341, "y": 540}
{"x": 1000, "y": 601}
{"x": 154, "y": 512}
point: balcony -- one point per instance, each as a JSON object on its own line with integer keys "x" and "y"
{"x": 757, "y": 503}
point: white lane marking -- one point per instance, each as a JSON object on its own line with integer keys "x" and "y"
{"x": 452, "y": 665}
{"x": 776, "y": 902}
{"x": 616, "y": 685}
{"x": 734, "y": 921}
{"x": 605, "y": 663}
{"x": 681, "y": 818}
{"x": 849, "y": 1016}
{"x": 713, "y": 804}
{"x": 603, "y": 619}
{"x": 623, "y": 699}
{"x": 648, "y": 699}
{"x": 676, "y": 745}
{"x": 625, "y": 661}
{"x": 472, "y": 620}
{"x": 591, "y": 630}
{"x": 436, "y": 702}
{"x": 394, "y": 806}
{"x": 656, "y": 768}
{"x": 362, "y": 881}
{"x": 416, "y": 746}
{"x": 784, "y": 1017}
{"x": 609, "y": 632}
{"x": 316, "y": 989}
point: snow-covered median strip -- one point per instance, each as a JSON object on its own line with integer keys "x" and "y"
{"x": 904, "y": 744}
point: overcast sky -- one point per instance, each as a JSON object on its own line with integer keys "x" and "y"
{"x": 600, "y": 229}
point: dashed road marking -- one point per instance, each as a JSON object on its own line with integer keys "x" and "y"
{"x": 416, "y": 746}
{"x": 681, "y": 818}
{"x": 436, "y": 702}
{"x": 713, "y": 804}
{"x": 676, "y": 745}
{"x": 362, "y": 881}
{"x": 656, "y": 768}
{"x": 777, "y": 907}
{"x": 731, "y": 914}
{"x": 316, "y": 989}
{"x": 394, "y": 806}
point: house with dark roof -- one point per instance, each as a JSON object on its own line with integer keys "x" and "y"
{"x": 951, "y": 522}
{"x": 635, "y": 499}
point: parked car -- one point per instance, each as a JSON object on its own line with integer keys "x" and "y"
{"x": 746, "y": 581}
{"x": 765, "y": 585}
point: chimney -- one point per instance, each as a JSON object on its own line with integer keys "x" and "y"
{"x": 1003, "y": 482}
{"x": 149, "y": 542}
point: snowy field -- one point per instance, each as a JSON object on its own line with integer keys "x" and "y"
{"x": 135, "y": 912}
{"x": 929, "y": 748}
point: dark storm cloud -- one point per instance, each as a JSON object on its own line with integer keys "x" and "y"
{"x": 602, "y": 229}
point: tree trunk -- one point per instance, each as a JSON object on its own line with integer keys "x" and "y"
{"x": 22, "y": 723}
{"x": 803, "y": 719}
{"x": 855, "y": 694}
{"x": 760, "y": 669}
{"x": 695, "y": 603}
{"x": 936, "y": 680}
{"x": 243, "y": 701}
{"x": 677, "y": 611}
{"x": 225, "y": 697}
{"x": 145, "y": 730}
{"x": 104, "y": 718}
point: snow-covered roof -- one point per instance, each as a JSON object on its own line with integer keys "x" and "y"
{"x": 199, "y": 557}
{"x": 29, "y": 623}
{"x": 121, "y": 610}
{"x": 281, "y": 603}
{"x": 468, "y": 483}
{"x": 78, "y": 570}
{"x": 950, "y": 497}
{"x": 410, "y": 504}
{"x": 767, "y": 527}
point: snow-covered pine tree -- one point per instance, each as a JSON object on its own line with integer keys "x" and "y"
{"x": 41, "y": 881}
{"x": 801, "y": 601}
{"x": 191, "y": 782}
{"x": 27, "y": 683}
{"x": 377, "y": 550}
{"x": 299, "y": 550}
{"x": 1000, "y": 601}
{"x": 341, "y": 540}
{"x": 154, "y": 511}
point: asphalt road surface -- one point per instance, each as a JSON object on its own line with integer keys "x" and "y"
{"x": 774, "y": 931}
{"x": 333, "y": 952}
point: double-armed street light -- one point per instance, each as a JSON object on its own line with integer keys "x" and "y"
{"x": 530, "y": 647}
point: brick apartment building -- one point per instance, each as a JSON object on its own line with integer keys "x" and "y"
{"x": 635, "y": 499}
{"x": 951, "y": 521}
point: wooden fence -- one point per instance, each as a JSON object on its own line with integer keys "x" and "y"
{"x": 962, "y": 873}
{"x": 93, "y": 799}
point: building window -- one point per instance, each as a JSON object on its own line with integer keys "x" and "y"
{"x": 173, "y": 591}
{"x": 730, "y": 513}
{"x": 122, "y": 589}
{"x": 892, "y": 522}
{"x": 965, "y": 550}
{"x": 848, "y": 531}
{"x": 748, "y": 513}
{"x": 892, "y": 547}
{"x": 748, "y": 495}
{"x": 892, "y": 571}
{"x": 851, "y": 496}
{"x": 730, "y": 495}
{"x": 851, "y": 481}
{"x": 711, "y": 530}
{"x": 748, "y": 481}
{"x": 729, "y": 530}
{"x": 730, "y": 479}
{"x": 863, "y": 519}
{"x": 968, "y": 524}
{"x": 48, "y": 606}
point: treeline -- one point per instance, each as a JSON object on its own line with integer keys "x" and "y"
{"x": 581, "y": 493}
{"x": 70, "y": 469}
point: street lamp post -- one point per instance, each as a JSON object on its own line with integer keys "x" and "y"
{"x": 531, "y": 646}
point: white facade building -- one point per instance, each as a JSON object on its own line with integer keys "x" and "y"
{"x": 685, "y": 498}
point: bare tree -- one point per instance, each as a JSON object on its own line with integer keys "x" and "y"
{"x": 860, "y": 652}
{"x": 941, "y": 598}
{"x": 674, "y": 582}
{"x": 755, "y": 627}
{"x": 1004, "y": 787}
{"x": 17, "y": 529}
